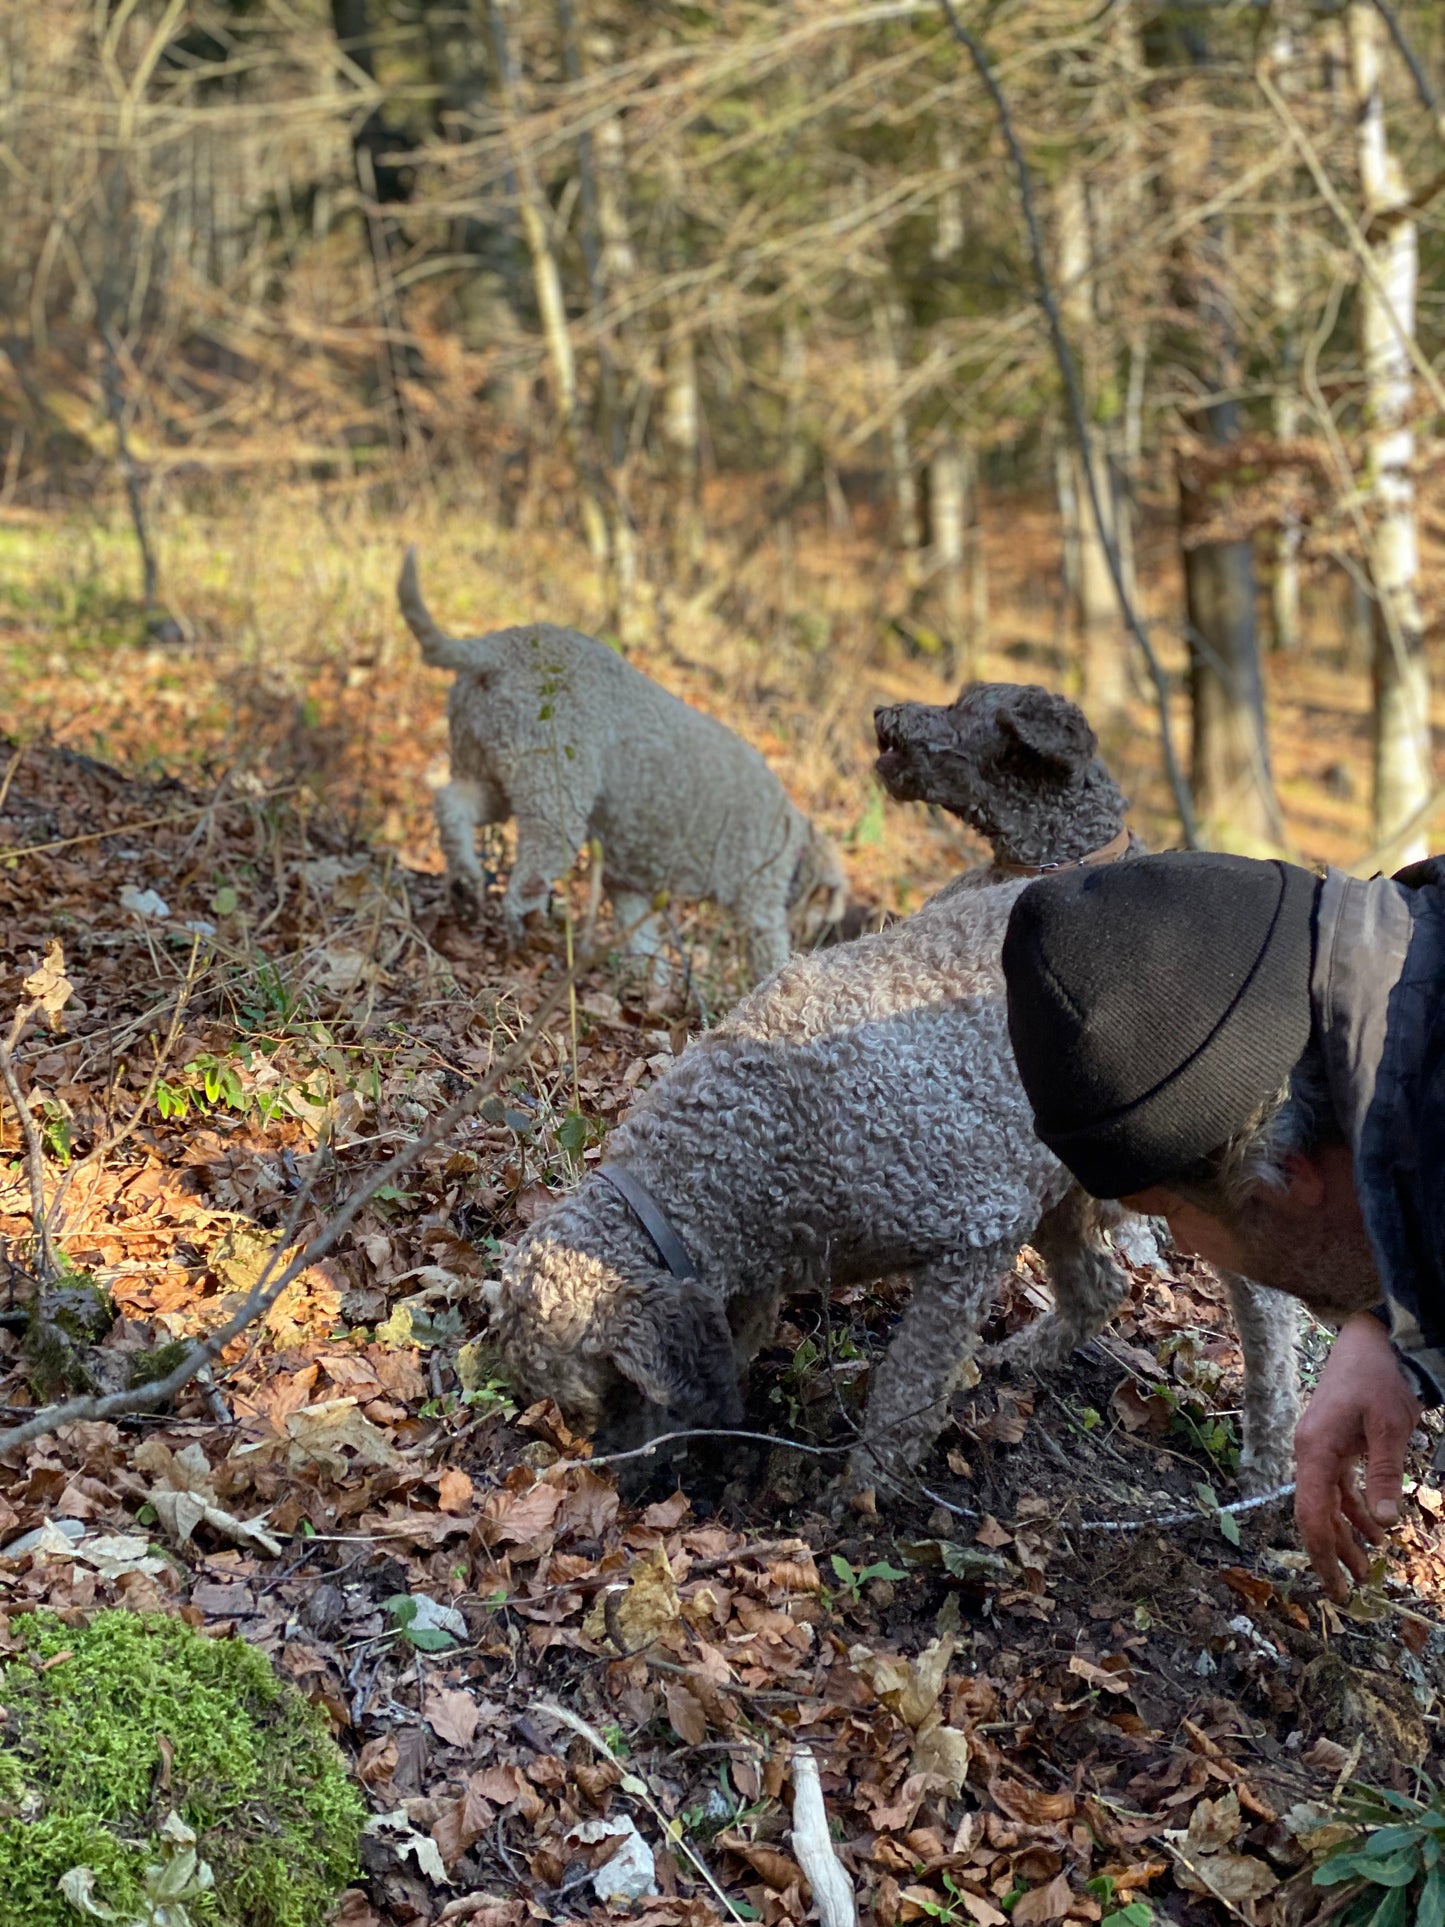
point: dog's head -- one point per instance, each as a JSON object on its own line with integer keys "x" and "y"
{"x": 999, "y": 747}
{"x": 819, "y": 895}
{"x": 624, "y": 1348}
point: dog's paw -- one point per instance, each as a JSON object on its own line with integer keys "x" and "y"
{"x": 465, "y": 903}
{"x": 1041, "y": 1347}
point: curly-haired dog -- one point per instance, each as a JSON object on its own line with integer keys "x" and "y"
{"x": 555, "y": 729}
{"x": 858, "y": 1116}
{"x": 1019, "y": 764}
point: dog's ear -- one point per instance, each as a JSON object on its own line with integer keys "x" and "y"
{"x": 1050, "y": 728}
{"x": 673, "y": 1343}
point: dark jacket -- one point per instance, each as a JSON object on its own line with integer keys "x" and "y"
{"x": 1378, "y": 991}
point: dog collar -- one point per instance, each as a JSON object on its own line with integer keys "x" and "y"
{"x": 1110, "y": 852}
{"x": 651, "y": 1216}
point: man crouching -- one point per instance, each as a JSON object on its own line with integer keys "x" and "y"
{"x": 1258, "y": 1055}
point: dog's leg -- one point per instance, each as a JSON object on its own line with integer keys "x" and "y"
{"x": 1088, "y": 1284}
{"x": 551, "y": 829}
{"x": 911, "y": 1386}
{"x": 644, "y": 933}
{"x": 459, "y": 808}
{"x": 1268, "y": 1324}
{"x": 769, "y": 943}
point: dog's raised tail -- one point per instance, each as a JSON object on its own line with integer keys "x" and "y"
{"x": 437, "y": 647}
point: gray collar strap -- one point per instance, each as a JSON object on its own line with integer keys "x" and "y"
{"x": 651, "y": 1216}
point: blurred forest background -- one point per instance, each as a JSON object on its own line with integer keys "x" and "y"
{"x": 733, "y": 332}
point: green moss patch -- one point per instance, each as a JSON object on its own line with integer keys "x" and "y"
{"x": 142, "y": 1719}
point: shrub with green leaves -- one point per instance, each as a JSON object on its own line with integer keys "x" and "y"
{"x": 123, "y": 1735}
{"x": 1398, "y": 1864}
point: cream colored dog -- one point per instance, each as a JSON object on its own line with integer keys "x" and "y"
{"x": 553, "y": 728}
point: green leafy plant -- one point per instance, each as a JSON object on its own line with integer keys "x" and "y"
{"x": 1398, "y": 1863}
{"x": 954, "y": 1908}
{"x": 207, "y": 1082}
{"x": 55, "y": 1131}
{"x": 854, "y": 1579}
{"x": 1133, "y": 1913}
{"x": 404, "y": 1612}
{"x": 1226, "y": 1521}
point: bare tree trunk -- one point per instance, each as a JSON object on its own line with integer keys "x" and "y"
{"x": 1403, "y": 759}
{"x": 1284, "y": 587}
{"x": 948, "y": 237}
{"x": 532, "y": 208}
{"x": 948, "y": 539}
{"x": 793, "y": 374}
{"x": 887, "y": 326}
{"x": 1096, "y": 609}
{"x": 1233, "y": 789}
{"x": 681, "y": 430}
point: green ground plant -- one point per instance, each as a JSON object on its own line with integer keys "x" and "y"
{"x": 1396, "y": 1862}
{"x": 102, "y": 1718}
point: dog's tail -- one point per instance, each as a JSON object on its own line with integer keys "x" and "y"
{"x": 437, "y": 647}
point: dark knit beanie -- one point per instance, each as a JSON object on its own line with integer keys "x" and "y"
{"x": 1154, "y": 1005}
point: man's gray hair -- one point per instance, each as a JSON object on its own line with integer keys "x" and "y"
{"x": 1298, "y": 1119}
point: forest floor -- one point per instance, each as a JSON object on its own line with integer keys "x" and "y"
{"x": 1056, "y": 1681}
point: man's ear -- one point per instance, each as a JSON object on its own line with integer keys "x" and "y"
{"x": 1304, "y": 1190}
{"x": 673, "y": 1343}
{"x": 1050, "y": 728}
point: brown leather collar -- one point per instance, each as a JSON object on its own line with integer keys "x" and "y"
{"x": 1110, "y": 853}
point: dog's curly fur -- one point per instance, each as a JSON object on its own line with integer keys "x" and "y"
{"x": 858, "y": 1116}
{"x": 1017, "y": 763}
{"x": 555, "y": 729}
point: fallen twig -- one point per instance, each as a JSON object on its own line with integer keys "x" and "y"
{"x": 267, "y": 1289}
{"x": 813, "y": 1846}
{"x": 637, "y": 1787}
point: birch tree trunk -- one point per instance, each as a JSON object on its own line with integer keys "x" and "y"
{"x": 1284, "y": 587}
{"x": 1403, "y": 761}
{"x": 1096, "y": 607}
{"x": 682, "y": 433}
{"x": 887, "y": 327}
{"x": 947, "y": 533}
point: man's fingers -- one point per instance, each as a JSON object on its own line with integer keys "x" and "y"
{"x": 1387, "y": 1434}
{"x": 1356, "y": 1510}
{"x": 1321, "y": 1522}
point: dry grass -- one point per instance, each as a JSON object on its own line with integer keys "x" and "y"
{"x": 296, "y": 666}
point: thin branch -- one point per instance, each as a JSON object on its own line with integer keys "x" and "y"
{"x": 1354, "y": 233}
{"x": 266, "y": 1290}
{"x": 1429, "y": 100}
{"x": 633, "y": 1783}
{"x": 1078, "y": 417}
{"x": 44, "y": 1256}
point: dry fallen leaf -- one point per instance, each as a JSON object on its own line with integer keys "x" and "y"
{"x": 685, "y": 1713}
{"x": 642, "y": 1611}
{"x": 49, "y": 986}
{"x": 452, "y": 1714}
{"x": 907, "y": 1687}
{"x": 943, "y": 1751}
{"x": 1042, "y": 1904}
{"x": 184, "y": 1496}
{"x": 454, "y": 1490}
{"x": 1101, "y": 1676}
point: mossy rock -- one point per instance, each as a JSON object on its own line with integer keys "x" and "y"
{"x": 141, "y": 1703}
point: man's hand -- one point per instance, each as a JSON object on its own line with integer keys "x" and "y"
{"x": 1362, "y": 1408}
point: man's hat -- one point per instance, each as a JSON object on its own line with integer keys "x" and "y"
{"x": 1155, "y": 1005}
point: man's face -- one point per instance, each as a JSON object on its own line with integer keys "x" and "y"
{"x": 1307, "y": 1239}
